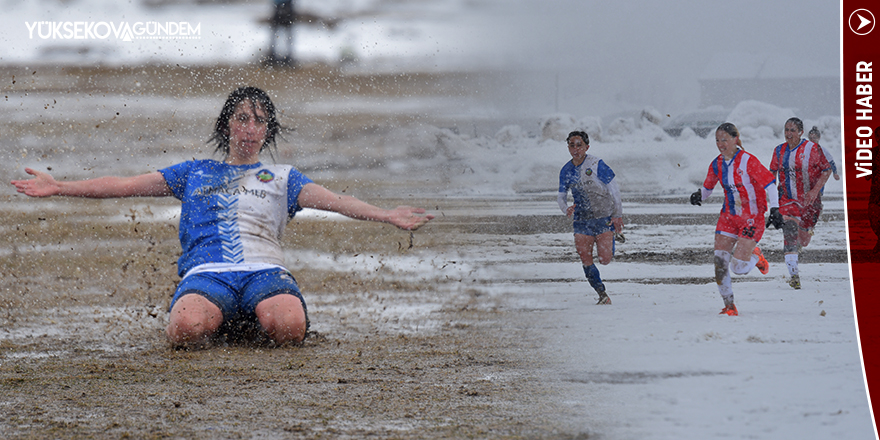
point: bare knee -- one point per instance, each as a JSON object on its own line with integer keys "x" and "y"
{"x": 805, "y": 238}
{"x": 193, "y": 320}
{"x": 283, "y": 318}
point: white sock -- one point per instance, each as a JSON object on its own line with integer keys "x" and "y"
{"x": 741, "y": 267}
{"x": 724, "y": 287}
{"x": 791, "y": 261}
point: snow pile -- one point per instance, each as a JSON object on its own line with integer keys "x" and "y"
{"x": 644, "y": 157}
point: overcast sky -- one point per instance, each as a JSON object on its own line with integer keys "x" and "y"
{"x": 654, "y": 51}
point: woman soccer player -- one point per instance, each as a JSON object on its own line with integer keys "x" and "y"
{"x": 802, "y": 170}
{"x": 748, "y": 188}
{"x": 233, "y": 213}
{"x": 597, "y": 210}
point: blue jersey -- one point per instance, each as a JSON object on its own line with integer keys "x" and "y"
{"x": 590, "y": 183}
{"x": 232, "y": 216}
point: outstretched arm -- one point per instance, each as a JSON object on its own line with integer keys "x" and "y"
{"x": 404, "y": 217}
{"x": 44, "y": 185}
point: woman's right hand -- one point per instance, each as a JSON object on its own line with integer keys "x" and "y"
{"x": 42, "y": 185}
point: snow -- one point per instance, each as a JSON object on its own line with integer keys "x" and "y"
{"x": 646, "y": 159}
{"x": 660, "y": 363}
{"x": 657, "y": 364}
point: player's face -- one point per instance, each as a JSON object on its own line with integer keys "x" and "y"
{"x": 814, "y": 138}
{"x": 792, "y": 134}
{"x": 726, "y": 143}
{"x": 577, "y": 148}
{"x": 247, "y": 131}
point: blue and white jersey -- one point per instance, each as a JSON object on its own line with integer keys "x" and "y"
{"x": 232, "y": 216}
{"x": 592, "y": 187}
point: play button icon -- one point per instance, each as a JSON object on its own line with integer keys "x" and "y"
{"x": 861, "y": 22}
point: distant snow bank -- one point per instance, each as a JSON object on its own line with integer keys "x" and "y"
{"x": 644, "y": 157}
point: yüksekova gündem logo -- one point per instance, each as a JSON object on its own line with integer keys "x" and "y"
{"x": 104, "y": 30}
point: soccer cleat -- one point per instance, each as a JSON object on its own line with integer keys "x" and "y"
{"x": 795, "y": 282}
{"x": 603, "y": 299}
{"x": 729, "y": 310}
{"x": 762, "y": 263}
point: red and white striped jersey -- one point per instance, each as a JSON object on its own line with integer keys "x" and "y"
{"x": 744, "y": 180}
{"x": 798, "y": 170}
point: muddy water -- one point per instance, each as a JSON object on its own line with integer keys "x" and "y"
{"x": 408, "y": 339}
{"x": 404, "y": 342}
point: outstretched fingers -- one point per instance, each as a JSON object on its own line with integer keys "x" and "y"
{"x": 410, "y": 218}
{"x": 42, "y": 185}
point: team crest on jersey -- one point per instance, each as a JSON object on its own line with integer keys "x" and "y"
{"x": 265, "y": 176}
{"x": 588, "y": 171}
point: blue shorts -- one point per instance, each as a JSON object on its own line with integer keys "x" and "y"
{"x": 238, "y": 293}
{"x": 593, "y": 227}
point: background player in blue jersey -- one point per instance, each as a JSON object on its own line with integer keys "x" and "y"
{"x": 815, "y": 136}
{"x": 233, "y": 213}
{"x": 597, "y": 210}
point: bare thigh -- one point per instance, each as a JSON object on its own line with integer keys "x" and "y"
{"x": 604, "y": 247}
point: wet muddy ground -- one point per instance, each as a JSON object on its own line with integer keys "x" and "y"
{"x": 407, "y": 340}
{"x": 403, "y": 342}
{"x": 392, "y": 353}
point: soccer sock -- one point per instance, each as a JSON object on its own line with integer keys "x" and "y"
{"x": 791, "y": 261}
{"x": 722, "y": 275}
{"x": 593, "y": 277}
{"x": 741, "y": 267}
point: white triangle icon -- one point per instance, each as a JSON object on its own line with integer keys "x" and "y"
{"x": 863, "y": 21}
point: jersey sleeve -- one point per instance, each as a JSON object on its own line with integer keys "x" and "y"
{"x": 774, "y": 162}
{"x": 759, "y": 173}
{"x": 822, "y": 163}
{"x": 295, "y": 183}
{"x": 829, "y": 158}
{"x": 175, "y": 177}
{"x": 563, "y": 179}
{"x": 711, "y": 176}
{"x": 604, "y": 172}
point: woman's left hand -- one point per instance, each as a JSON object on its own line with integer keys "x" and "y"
{"x": 408, "y": 217}
{"x": 618, "y": 224}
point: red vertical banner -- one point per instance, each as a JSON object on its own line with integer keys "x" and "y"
{"x": 860, "y": 77}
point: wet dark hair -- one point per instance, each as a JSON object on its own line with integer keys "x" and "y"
{"x": 220, "y": 137}
{"x": 731, "y": 129}
{"x": 583, "y": 135}
{"x": 815, "y": 130}
{"x": 797, "y": 122}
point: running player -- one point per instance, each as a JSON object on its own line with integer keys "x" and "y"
{"x": 232, "y": 216}
{"x": 801, "y": 169}
{"x": 597, "y": 210}
{"x": 748, "y": 188}
{"x": 814, "y": 136}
